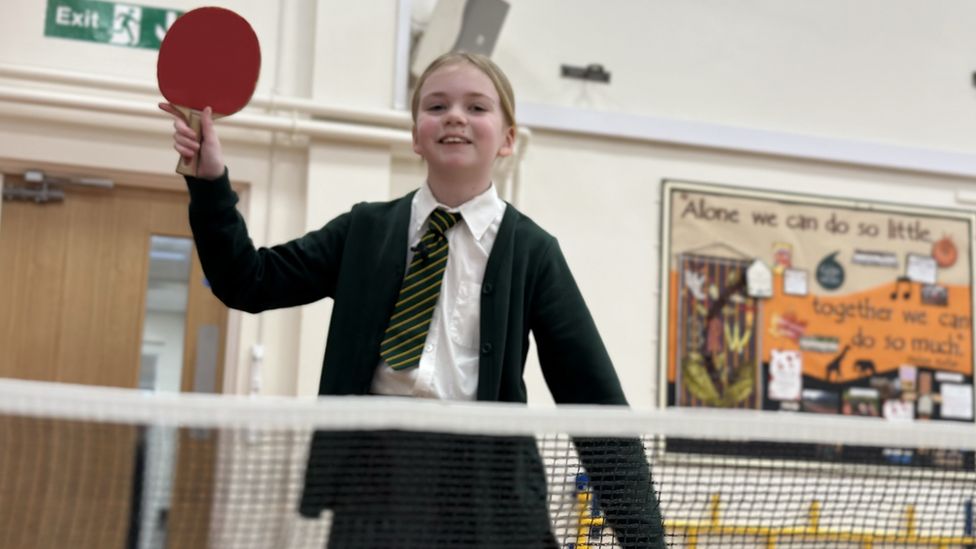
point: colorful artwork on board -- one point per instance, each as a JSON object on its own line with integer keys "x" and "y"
{"x": 858, "y": 309}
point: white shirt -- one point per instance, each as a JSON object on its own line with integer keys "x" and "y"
{"x": 448, "y": 367}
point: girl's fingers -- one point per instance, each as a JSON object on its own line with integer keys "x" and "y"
{"x": 189, "y": 141}
{"x": 172, "y": 111}
{"x": 187, "y": 145}
{"x": 183, "y": 128}
{"x": 179, "y": 121}
{"x": 187, "y": 154}
{"x": 206, "y": 125}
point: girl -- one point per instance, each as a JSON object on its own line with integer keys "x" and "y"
{"x": 435, "y": 294}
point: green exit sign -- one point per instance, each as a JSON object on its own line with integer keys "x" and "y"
{"x": 126, "y": 25}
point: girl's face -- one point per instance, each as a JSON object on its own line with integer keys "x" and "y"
{"x": 460, "y": 124}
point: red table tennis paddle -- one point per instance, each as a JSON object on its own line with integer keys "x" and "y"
{"x": 209, "y": 57}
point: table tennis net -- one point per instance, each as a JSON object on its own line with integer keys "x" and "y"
{"x": 96, "y": 467}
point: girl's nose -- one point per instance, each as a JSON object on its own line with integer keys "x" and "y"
{"x": 455, "y": 115}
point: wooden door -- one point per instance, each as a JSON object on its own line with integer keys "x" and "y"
{"x": 195, "y": 480}
{"x": 73, "y": 279}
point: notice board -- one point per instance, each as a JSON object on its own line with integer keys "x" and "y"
{"x": 782, "y": 301}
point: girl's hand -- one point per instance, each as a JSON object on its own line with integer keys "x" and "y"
{"x": 186, "y": 143}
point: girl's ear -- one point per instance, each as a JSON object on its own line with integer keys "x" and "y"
{"x": 508, "y": 144}
{"x": 416, "y": 146}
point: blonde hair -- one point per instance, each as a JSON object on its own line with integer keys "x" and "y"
{"x": 504, "y": 88}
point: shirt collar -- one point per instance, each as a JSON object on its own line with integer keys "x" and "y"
{"x": 477, "y": 213}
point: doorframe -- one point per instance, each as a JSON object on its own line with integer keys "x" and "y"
{"x": 229, "y": 383}
{"x": 1, "y": 200}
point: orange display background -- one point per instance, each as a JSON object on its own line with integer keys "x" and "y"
{"x": 943, "y": 325}
{"x": 886, "y": 332}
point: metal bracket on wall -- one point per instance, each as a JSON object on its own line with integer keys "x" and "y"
{"x": 35, "y": 193}
{"x": 593, "y": 72}
{"x": 40, "y": 188}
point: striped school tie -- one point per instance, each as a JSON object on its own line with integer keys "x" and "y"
{"x": 403, "y": 341}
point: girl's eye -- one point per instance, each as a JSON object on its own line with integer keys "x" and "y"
{"x": 478, "y": 108}
{"x": 435, "y": 107}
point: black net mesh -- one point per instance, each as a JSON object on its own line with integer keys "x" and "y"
{"x": 171, "y": 483}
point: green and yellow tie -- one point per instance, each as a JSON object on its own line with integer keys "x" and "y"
{"x": 403, "y": 341}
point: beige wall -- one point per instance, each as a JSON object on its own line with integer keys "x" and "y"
{"x": 891, "y": 73}
{"x": 888, "y": 70}
{"x": 615, "y": 186}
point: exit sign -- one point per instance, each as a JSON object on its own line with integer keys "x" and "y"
{"x": 126, "y": 25}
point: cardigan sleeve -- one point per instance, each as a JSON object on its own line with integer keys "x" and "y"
{"x": 295, "y": 273}
{"x": 621, "y": 479}
{"x": 577, "y": 369}
{"x": 574, "y": 361}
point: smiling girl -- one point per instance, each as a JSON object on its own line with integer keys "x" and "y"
{"x": 473, "y": 276}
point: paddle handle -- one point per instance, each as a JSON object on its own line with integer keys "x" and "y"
{"x": 190, "y": 168}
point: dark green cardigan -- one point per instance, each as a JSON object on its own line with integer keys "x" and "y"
{"x": 358, "y": 259}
